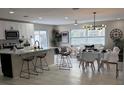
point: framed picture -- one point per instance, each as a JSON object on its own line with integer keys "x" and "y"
{"x": 65, "y": 37}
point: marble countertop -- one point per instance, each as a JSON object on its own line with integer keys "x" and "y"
{"x": 23, "y": 51}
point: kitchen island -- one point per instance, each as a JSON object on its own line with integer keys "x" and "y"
{"x": 11, "y": 61}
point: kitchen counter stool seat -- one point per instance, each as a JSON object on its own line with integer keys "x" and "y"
{"x": 43, "y": 65}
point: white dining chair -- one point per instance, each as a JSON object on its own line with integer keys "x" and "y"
{"x": 104, "y": 60}
{"x": 112, "y": 58}
{"x": 88, "y": 58}
{"x": 98, "y": 46}
{"x": 74, "y": 51}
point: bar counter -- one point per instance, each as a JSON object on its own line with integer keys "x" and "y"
{"x": 11, "y": 61}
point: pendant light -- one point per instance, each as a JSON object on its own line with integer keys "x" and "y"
{"x": 75, "y": 23}
{"x": 11, "y": 11}
{"x": 94, "y": 23}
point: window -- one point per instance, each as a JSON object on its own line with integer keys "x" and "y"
{"x": 83, "y": 36}
{"x": 41, "y": 36}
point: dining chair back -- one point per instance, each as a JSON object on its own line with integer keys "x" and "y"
{"x": 116, "y": 49}
{"x": 89, "y": 56}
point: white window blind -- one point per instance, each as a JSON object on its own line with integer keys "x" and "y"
{"x": 83, "y": 36}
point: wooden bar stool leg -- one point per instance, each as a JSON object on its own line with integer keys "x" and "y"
{"x": 60, "y": 63}
{"x": 28, "y": 69}
{"x": 83, "y": 67}
{"x": 21, "y": 69}
{"x": 117, "y": 71}
{"x": 57, "y": 59}
{"x": 68, "y": 64}
{"x": 41, "y": 65}
{"x": 38, "y": 66}
{"x": 86, "y": 65}
{"x": 35, "y": 65}
{"x": 92, "y": 66}
{"x": 80, "y": 63}
{"x": 108, "y": 66}
{"x": 44, "y": 64}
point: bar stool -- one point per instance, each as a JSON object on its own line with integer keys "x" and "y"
{"x": 65, "y": 63}
{"x": 28, "y": 60}
{"x": 58, "y": 56}
{"x": 43, "y": 63}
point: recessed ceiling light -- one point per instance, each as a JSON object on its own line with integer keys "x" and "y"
{"x": 66, "y": 17}
{"x": 26, "y": 16}
{"x": 11, "y": 12}
{"x": 75, "y": 8}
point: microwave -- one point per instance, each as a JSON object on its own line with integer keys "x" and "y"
{"x": 11, "y": 35}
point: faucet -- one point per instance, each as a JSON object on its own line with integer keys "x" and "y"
{"x": 38, "y": 43}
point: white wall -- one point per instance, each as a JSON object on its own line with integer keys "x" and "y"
{"x": 110, "y": 25}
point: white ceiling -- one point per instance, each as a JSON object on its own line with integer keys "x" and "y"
{"x": 55, "y": 16}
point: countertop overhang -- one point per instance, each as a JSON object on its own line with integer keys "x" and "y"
{"x": 23, "y": 51}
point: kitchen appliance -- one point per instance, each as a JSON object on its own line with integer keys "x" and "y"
{"x": 11, "y": 34}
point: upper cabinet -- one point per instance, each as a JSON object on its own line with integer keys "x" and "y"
{"x": 2, "y": 32}
{"x": 25, "y": 29}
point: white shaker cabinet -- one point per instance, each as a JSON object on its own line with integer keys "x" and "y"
{"x": 2, "y": 32}
{"x": 29, "y": 30}
{"x": 8, "y": 25}
{"x": 25, "y": 29}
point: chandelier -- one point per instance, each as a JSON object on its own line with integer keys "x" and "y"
{"x": 94, "y": 26}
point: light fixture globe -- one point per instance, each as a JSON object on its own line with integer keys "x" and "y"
{"x": 75, "y": 23}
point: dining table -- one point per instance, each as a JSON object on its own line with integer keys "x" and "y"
{"x": 94, "y": 55}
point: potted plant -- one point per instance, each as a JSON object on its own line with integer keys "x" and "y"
{"x": 56, "y": 38}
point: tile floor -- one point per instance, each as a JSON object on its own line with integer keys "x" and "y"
{"x": 75, "y": 76}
